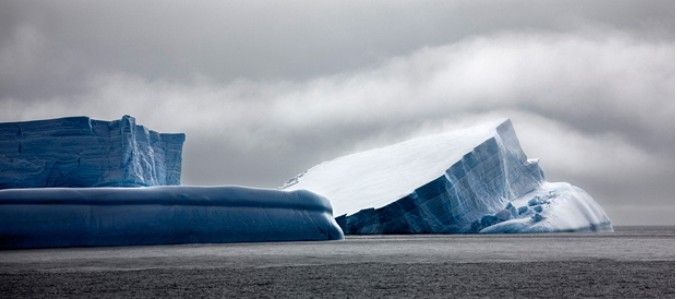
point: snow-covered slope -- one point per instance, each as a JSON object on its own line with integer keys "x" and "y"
{"x": 83, "y": 152}
{"x": 446, "y": 183}
{"x": 64, "y": 217}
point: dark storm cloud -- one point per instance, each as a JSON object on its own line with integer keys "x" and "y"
{"x": 265, "y": 91}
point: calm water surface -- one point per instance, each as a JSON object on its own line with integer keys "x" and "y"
{"x": 625, "y": 244}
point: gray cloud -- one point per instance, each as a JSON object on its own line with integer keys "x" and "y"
{"x": 265, "y": 92}
{"x": 226, "y": 40}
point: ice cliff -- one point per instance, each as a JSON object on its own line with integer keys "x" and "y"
{"x": 83, "y": 152}
{"x": 472, "y": 180}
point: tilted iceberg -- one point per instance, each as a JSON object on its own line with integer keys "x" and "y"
{"x": 83, "y": 152}
{"x": 472, "y": 180}
{"x": 65, "y": 217}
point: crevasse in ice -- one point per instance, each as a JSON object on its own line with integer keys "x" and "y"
{"x": 472, "y": 180}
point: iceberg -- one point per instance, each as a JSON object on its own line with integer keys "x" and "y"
{"x": 83, "y": 152}
{"x": 474, "y": 180}
{"x": 67, "y": 217}
{"x": 76, "y": 181}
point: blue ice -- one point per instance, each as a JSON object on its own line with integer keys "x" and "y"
{"x": 84, "y": 152}
{"x": 67, "y": 217}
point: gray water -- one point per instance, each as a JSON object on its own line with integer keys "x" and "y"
{"x": 625, "y": 244}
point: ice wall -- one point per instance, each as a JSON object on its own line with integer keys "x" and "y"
{"x": 457, "y": 182}
{"x": 83, "y": 152}
{"x": 65, "y": 217}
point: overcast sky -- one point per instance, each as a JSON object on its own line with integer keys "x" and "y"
{"x": 265, "y": 90}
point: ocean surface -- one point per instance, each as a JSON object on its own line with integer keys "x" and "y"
{"x": 630, "y": 262}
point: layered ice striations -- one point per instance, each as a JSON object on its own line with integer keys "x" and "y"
{"x": 472, "y": 180}
{"x": 83, "y": 152}
{"x": 67, "y": 217}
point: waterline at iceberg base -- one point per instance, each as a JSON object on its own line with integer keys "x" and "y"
{"x": 475, "y": 180}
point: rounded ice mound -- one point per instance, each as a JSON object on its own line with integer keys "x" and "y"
{"x": 112, "y": 216}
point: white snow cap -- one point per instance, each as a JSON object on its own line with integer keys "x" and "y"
{"x": 377, "y": 177}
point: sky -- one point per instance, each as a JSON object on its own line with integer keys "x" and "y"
{"x": 265, "y": 90}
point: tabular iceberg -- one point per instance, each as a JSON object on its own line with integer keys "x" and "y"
{"x": 472, "y": 180}
{"x": 36, "y": 156}
{"x": 65, "y": 217}
{"x": 83, "y": 152}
